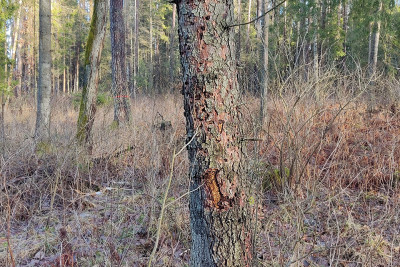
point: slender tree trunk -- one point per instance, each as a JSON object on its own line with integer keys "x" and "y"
{"x": 370, "y": 46}
{"x": 3, "y": 103}
{"x": 129, "y": 45}
{"x": 248, "y": 28}
{"x": 151, "y": 67}
{"x": 68, "y": 80}
{"x": 259, "y": 22}
{"x": 264, "y": 88}
{"x": 136, "y": 60}
{"x": 53, "y": 81}
{"x": 64, "y": 73}
{"x": 42, "y": 131}
{"x": 76, "y": 88}
{"x": 285, "y": 34}
{"x": 238, "y": 41}
{"x": 315, "y": 48}
{"x": 94, "y": 47}
{"x": 34, "y": 49}
{"x": 219, "y": 204}
{"x": 171, "y": 53}
{"x": 15, "y": 42}
{"x": 375, "y": 42}
{"x": 119, "y": 83}
{"x": 16, "y": 32}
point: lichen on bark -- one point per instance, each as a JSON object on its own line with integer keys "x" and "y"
{"x": 94, "y": 47}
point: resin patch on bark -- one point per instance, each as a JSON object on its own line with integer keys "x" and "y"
{"x": 212, "y": 189}
{"x": 217, "y": 198}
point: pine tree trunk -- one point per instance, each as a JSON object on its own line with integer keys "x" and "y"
{"x": 119, "y": 83}
{"x": 93, "y": 51}
{"x": 42, "y": 131}
{"x": 219, "y": 203}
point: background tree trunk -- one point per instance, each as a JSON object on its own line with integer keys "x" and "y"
{"x": 151, "y": 67}
{"x": 136, "y": 57}
{"x": 219, "y": 212}
{"x": 374, "y": 41}
{"x": 42, "y": 130}
{"x": 264, "y": 78}
{"x": 248, "y": 28}
{"x": 94, "y": 48}
{"x": 171, "y": 55}
{"x": 119, "y": 83}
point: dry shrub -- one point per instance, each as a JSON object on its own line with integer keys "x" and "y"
{"x": 109, "y": 202}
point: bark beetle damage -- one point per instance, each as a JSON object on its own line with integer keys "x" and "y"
{"x": 215, "y": 198}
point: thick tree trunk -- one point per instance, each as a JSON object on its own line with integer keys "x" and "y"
{"x": 219, "y": 203}
{"x": 93, "y": 51}
{"x": 42, "y": 131}
{"x": 119, "y": 83}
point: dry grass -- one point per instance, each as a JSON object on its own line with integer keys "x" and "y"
{"x": 329, "y": 173}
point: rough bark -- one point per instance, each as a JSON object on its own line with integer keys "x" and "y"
{"x": 42, "y": 131}
{"x": 93, "y": 52}
{"x": 119, "y": 81}
{"x": 219, "y": 204}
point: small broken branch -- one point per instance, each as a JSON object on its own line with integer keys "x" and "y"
{"x": 263, "y": 15}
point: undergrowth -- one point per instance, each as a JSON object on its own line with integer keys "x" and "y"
{"x": 328, "y": 169}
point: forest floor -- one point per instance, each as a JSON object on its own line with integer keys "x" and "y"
{"x": 329, "y": 174}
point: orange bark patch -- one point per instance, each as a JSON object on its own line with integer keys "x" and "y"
{"x": 220, "y": 126}
{"x": 212, "y": 189}
{"x": 224, "y": 50}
